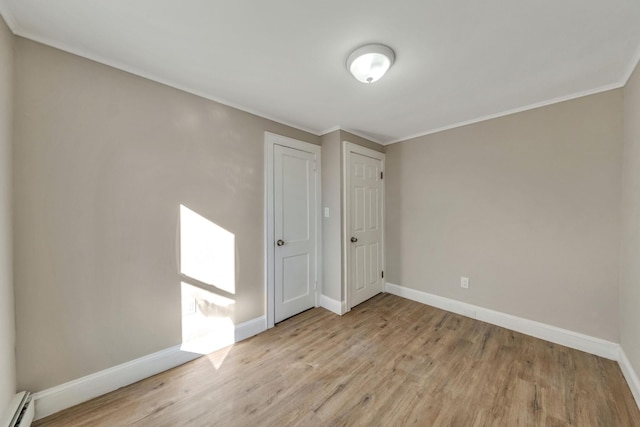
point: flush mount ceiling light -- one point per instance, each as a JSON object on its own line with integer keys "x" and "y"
{"x": 369, "y": 62}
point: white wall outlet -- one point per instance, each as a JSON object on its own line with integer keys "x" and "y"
{"x": 464, "y": 282}
{"x": 326, "y": 212}
{"x": 189, "y": 305}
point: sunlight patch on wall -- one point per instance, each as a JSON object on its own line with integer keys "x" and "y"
{"x": 207, "y": 323}
{"x": 207, "y": 251}
{"x": 207, "y": 265}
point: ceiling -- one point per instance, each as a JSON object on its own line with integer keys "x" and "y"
{"x": 457, "y": 62}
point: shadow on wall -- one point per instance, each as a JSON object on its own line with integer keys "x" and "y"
{"x": 208, "y": 287}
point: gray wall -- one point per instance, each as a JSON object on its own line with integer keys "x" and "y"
{"x": 332, "y": 158}
{"x": 527, "y": 206}
{"x": 630, "y": 265}
{"x": 7, "y": 325}
{"x": 102, "y": 162}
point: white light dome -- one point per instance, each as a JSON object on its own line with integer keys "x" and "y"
{"x": 368, "y": 63}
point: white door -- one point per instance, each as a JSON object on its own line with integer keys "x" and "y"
{"x": 295, "y": 207}
{"x": 364, "y": 223}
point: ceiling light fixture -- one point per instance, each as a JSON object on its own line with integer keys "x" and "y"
{"x": 369, "y": 62}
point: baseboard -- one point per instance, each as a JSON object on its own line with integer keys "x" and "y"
{"x": 332, "y": 305}
{"x": 630, "y": 375}
{"x": 578, "y": 341}
{"x": 250, "y": 328}
{"x": 77, "y": 391}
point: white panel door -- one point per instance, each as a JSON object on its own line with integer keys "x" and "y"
{"x": 295, "y": 232}
{"x": 365, "y": 244}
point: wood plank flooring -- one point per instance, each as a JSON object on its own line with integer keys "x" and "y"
{"x": 389, "y": 362}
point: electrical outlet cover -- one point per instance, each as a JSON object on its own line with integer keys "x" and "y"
{"x": 464, "y": 282}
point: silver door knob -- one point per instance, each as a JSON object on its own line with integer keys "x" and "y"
{"x": 280, "y": 242}
{"x": 354, "y": 239}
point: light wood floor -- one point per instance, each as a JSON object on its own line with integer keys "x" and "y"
{"x": 389, "y": 362}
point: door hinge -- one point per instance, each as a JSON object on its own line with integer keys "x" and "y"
{"x": 381, "y": 175}
{"x": 315, "y": 285}
{"x": 383, "y": 274}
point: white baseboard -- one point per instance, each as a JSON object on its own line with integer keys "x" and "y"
{"x": 332, "y": 305}
{"x": 250, "y": 328}
{"x": 77, "y": 391}
{"x": 630, "y": 375}
{"x": 578, "y": 341}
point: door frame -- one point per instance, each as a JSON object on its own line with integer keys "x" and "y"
{"x": 272, "y": 139}
{"x": 347, "y": 149}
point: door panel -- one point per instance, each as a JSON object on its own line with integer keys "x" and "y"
{"x": 365, "y": 226}
{"x": 359, "y": 265}
{"x": 359, "y": 209}
{"x": 295, "y": 195}
{"x": 295, "y": 217}
{"x": 295, "y": 274}
{"x": 374, "y": 202}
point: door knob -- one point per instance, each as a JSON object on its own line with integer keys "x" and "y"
{"x": 280, "y": 242}
{"x": 354, "y": 239}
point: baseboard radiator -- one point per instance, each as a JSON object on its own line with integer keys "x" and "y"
{"x": 20, "y": 411}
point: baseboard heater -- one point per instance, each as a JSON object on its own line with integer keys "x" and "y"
{"x": 20, "y": 411}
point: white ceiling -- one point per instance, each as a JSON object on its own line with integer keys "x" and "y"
{"x": 457, "y": 61}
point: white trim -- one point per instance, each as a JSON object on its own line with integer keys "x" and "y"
{"x": 270, "y": 140}
{"x": 332, "y": 305}
{"x": 354, "y": 132}
{"x": 578, "y": 341}
{"x": 66, "y": 395}
{"x": 269, "y": 254}
{"x": 347, "y": 149}
{"x": 250, "y": 328}
{"x": 612, "y": 86}
{"x": 630, "y": 375}
{"x": 363, "y": 136}
{"x": 329, "y": 130}
{"x": 82, "y": 389}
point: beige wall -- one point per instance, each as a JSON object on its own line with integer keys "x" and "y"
{"x": 526, "y": 205}
{"x": 7, "y": 325}
{"x": 630, "y": 254}
{"x": 332, "y": 226}
{"x": 103, "y": 160}
{"x": 332, "y": 158}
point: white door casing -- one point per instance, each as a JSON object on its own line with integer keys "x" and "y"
{"x": 364, "y": 223}
{"x": 292, "y": 172}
